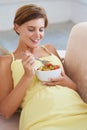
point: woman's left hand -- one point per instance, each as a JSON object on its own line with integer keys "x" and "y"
{"x": 62, "y": 80}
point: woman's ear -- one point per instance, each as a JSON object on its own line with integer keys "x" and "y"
{"x": 16, "y": 28}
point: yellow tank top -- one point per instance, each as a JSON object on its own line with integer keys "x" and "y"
{"x": 18, "y": 71}
{"x": 49, "y": 108}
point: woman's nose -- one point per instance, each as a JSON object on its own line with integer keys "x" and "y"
{"x": 37, "y": 33}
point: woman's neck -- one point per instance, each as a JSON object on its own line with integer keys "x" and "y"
{"x": 23, "y": 48}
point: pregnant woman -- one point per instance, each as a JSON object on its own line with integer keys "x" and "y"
{"x": 54, "y": 105}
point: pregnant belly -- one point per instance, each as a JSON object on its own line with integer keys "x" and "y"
{"x": 52, "y": 99}
{"x": 52, "y": 104}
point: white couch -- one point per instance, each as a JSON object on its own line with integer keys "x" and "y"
{"x": 10, "y": 124}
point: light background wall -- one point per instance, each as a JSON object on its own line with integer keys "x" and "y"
{"x": 57, "y": 10}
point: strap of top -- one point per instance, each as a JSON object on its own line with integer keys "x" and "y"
{"x": 46, "y": 49}
{"x": 12, "y": 56}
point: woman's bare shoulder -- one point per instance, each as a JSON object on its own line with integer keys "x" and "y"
{"x": 5, "y": 61}
{"x": 51, "y": 48}
{"x": 5, "y": 68}
{"x": 5, "y": 58}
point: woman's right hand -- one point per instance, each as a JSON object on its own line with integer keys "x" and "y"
{"x": 28, "y": 62}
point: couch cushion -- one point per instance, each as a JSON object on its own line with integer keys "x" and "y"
{"x": 76, "y": 57}
{"x": 10, "y": 124}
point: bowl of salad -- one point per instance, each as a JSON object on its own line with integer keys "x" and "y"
{"x": 48, "y": 71}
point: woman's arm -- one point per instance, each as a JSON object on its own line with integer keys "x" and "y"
{"x": 63, "y": 80}
{"x": 10, "y": 97}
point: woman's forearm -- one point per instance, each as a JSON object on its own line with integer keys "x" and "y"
{"x": 10, "y": 104}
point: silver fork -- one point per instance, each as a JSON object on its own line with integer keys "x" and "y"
{"x": 42, "y": 61}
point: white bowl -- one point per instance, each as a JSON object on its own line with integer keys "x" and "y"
{"x": 47, "y": 75}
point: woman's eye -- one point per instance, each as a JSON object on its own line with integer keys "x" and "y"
{"x": 31, "y": 30}
{"x": 41, "y": 30}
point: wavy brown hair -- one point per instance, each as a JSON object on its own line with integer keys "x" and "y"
{"x": 30, "y": 12}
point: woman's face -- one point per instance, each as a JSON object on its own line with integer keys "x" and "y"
{"x": 31, "y": 32}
